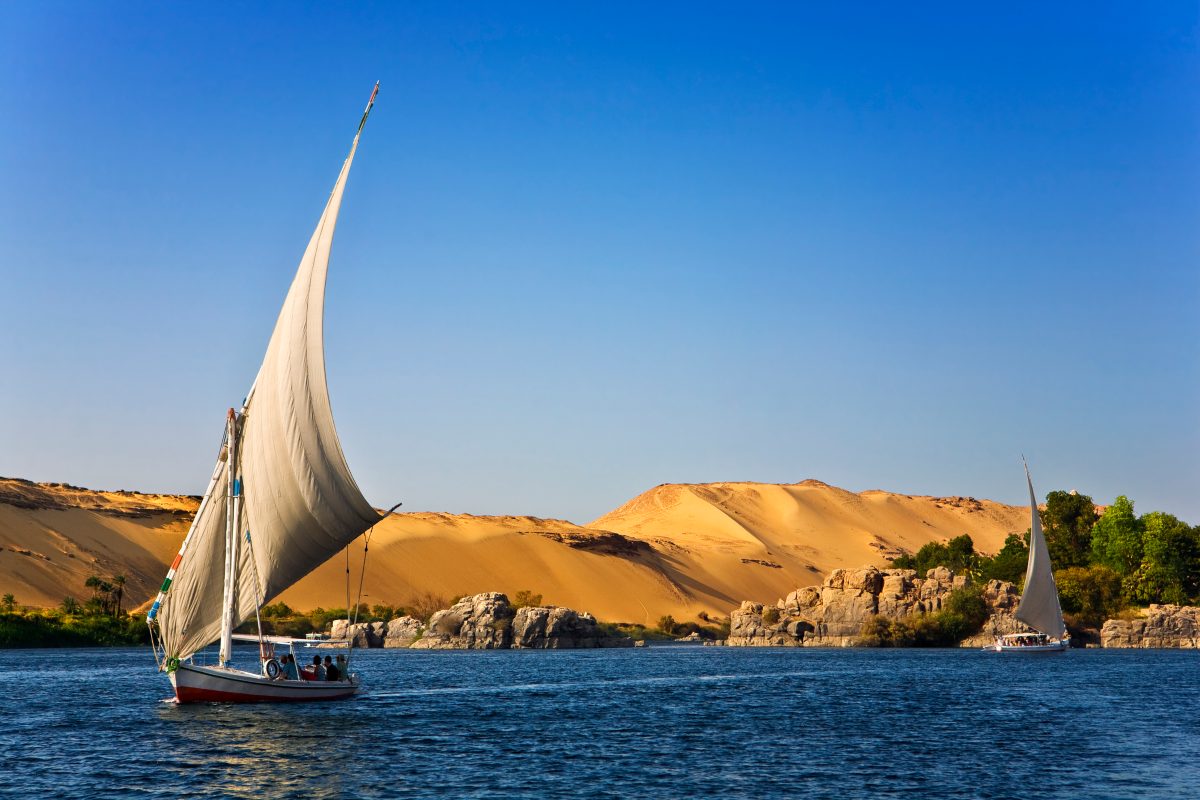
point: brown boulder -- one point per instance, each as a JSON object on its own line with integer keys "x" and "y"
{"x": 478, "y": 622}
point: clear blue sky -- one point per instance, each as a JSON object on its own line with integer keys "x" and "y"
{"x": 587, "y": 250}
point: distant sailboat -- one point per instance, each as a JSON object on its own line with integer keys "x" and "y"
{"x": 1039, "y": 607}
{"x": 280, "y": 502}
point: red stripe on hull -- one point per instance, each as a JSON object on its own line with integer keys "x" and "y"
{"x": 187, "y": 694}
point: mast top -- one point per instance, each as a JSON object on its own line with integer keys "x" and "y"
{"x": 370, "y": 105}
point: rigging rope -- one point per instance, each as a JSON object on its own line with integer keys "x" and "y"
{"x": 361, "y": 577}
{"x": 257, "y": 594}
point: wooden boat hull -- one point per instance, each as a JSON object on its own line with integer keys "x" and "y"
{"x": 196, "y": 684}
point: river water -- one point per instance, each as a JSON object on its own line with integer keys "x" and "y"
{"x": 683, "y": 722}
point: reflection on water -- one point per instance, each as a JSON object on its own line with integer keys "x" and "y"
{"x": 667, "y": 722}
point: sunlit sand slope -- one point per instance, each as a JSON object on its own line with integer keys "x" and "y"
{"x": 53, "y": 536}
{"x": 732, "y": 541}
{"x": 676, "y": 549}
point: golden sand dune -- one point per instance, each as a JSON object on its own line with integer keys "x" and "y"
{"x": 676, "y": 549}
{"x": 53, "y": 536}
{"x": 734, "y": 541}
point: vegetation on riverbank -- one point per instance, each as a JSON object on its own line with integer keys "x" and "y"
{"x": 962, "y": 616}
{"x": 52, "y": 627}
{"x": 99, "y": 621}
{"x": 1105, "y": 564}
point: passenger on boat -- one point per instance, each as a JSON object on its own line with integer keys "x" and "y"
{"x": 318, "y": 671}
{"x": 289, "y": 668}
{"x": 331, "y": 672}
{"x": 343, "y": 668}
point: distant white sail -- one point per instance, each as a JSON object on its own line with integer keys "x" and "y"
{"x": 1039, "y": 608}
{"x": 301, "y": 505}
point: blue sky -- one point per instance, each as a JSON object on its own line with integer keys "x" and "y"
{"x": 589, "y": 249}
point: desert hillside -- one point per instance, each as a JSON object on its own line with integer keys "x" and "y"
{"x": 676, "y": 549}
{"x": 53, "y": 536}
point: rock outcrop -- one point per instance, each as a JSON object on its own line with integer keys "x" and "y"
{"x": 402, "y": 632}
{"x": 363, "y": 634}
{"x": 1002, "y": 597}
{"x": 1163, "y": 626}
{"x": 558, "y": 628}
{"x": 486, "y": 622}
{"x": 832, "y": 615}
{"x": 479, "y": 622}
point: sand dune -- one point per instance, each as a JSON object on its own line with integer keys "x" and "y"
{"x": 676, "y": 549}
{"x": 53, "y": 536}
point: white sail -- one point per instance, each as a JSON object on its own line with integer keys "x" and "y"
{"x": 1039, "y": 608}
{"x": 300, "y": 502}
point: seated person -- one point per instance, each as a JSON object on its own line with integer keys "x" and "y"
{"x": 343, "y": 668}
{"x": 318, "y": 672}
{"x": 331, "y": 672}
{"x": 289, "y": 668}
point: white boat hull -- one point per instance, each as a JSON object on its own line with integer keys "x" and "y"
{"x": 196, "y": 684}
{"x": 1053, "y": 647}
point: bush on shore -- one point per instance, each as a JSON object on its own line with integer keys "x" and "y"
{"x": 56, "y": 628}
{"x": 961, "y": 617}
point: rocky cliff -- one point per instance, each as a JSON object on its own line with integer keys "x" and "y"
{"x": 833, "y": 614}
{"x": 1163, "y": 626}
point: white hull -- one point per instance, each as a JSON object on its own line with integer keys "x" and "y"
{"x": 1053, "y": 647}
{"x": 195, "y": 684}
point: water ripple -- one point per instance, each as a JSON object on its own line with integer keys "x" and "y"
{"x": 666, "y": 722}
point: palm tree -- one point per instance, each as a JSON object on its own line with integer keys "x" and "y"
{"x": 93, "y": 583}
{"x": 106, "y": 589}
{"x": 8, "y": 601}
{"x": 119, "y": 588}
{"x": 70, "y": 605}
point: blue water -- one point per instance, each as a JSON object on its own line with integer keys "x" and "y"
{"x": 655, "y": 722}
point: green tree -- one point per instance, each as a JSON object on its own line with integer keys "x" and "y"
{"x": 9, "y": 602}
{"x": 960, "y": 553}
{"x": 1091, "y": 593}
{"x": 963, "y": 613}
{"x": 70, "y": 605}
{"x": 1117, "y": 538}
{"x": 1067, "y": 522}
{"x": 118, "y": 593}
{"x": 1009, "y": 564}
{"x": 666, "y": 624}
{"x": 384, "y": 612}
{"x": 106, "y": 597}
{"x": 1170, "y": 569}
{"x": 277, "y": 611}
{"x": 957, "y": 554}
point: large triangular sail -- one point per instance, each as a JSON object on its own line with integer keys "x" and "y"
{"x": 299, "y": 503}
{"x": 1039, "y": 607}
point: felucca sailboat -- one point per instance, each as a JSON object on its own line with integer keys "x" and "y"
{"x": 280, "y": 502}
{"x": 1039, "y": 607}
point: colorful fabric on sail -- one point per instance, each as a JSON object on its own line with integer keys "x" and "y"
{"x": 299, "y": 496}
{"x": 1039, "y": 608}
{"x": 189, "y": 616}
